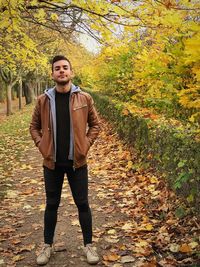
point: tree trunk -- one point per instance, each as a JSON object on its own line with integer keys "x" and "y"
{"x": 29, "y": 93}
{"x": 25, "y": 90}
{"x": 9, "y": 99}
{"x": 13, "y": 94}
{"x": 34, "y": 88}
{"x": 20, "y": 93}
{"x": 38, "y": 88}
{"x": 42, "y": 85}
{"x": 2, "y": 93}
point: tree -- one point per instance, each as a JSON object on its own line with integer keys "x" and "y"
{"x": 10, "y": 81}
{"x": 158, "y": 65}
{"x": 18, "y": 56}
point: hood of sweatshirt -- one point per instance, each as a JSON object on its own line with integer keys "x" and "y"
{"x": 51, "y": 91}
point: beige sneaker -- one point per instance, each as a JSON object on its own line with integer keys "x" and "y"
{"x": 44, "y": 255}
{"x": 91, "y": 254}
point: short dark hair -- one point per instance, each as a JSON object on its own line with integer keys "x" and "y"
{"x": 60, "y": 57}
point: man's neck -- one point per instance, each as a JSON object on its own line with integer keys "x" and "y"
{"x": 63, "y": 88}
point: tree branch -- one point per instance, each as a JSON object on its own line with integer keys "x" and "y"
{"x": 177, "y": 8}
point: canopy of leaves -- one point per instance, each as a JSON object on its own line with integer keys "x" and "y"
{"x": 156, "y": 65}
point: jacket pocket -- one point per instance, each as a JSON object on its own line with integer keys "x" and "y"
{"x": 41, "y": 148}
{"x": 44, "y": 147}
{"x": 82, "y": 149}
{"x": 79, "y": 107}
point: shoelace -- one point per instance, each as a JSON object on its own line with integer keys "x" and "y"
{"x": 44, "y": 250}
{"x": 92, "y": 251}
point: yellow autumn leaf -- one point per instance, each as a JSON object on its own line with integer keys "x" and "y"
{"x": 142, "y": 243}
{"x": 111, "y": 231}
{"x": 193, "y": 244}
{"x": 75, "y": 222}
{"x": 111, "y": 239}
{"x": 127, "y": 226}
{"x": 18, "y": 258}
{"x": 54, "y": 17}
{"x": 26, "y": 167}
{"x": 146, "y": 227}
{"x": 129, "y": 165}
{"x": 174, "y": 247}
{"x": 42, "y": 207}
{"x": 154, "y": 180}
{"x": 40, "y": 15}
{"x": 149, "y": 227}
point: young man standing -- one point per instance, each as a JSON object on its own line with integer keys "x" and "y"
{"x": 64, "y": 125}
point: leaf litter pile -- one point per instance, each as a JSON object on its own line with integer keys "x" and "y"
{"x": 138, "y": 220}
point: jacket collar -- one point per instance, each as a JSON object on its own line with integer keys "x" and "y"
{"x": 51, "y": 91}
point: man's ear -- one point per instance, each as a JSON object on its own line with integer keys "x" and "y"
{"x": 72, "y": 74}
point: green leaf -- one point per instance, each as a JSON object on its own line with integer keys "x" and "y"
{"x": 182, "y": 163}
{"x": 190, "y": 198}
{"x": 180, "y": 212}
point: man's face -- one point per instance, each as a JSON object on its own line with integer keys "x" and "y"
{"x": 62, "y": 74}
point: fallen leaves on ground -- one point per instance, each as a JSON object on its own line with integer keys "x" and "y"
{"x": 148, "y": 230}
{"x": 140, "y": 226}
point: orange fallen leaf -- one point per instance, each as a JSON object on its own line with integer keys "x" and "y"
{"x": 125, "y": 112}
{"x": 28, "y": 191}
{"x": 15, "y": 241}
{"x": 185, "y": 248}
{"x": 111, "y": 257}
{"x": 149, "y": 265}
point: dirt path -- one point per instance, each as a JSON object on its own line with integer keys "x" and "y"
{"x": 15, "y": 107}
{"x": 133, "y": 215}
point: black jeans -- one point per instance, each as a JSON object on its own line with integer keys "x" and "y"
{"x": 78, "y": 181}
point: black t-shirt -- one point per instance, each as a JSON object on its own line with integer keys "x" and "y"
{"x": 62, "y": 129}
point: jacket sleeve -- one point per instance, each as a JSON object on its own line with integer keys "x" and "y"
{"x": 93, "y": 122}
{"x": 35, "y": 125}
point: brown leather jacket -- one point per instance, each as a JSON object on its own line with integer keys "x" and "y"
{"x": 82, "y": 114}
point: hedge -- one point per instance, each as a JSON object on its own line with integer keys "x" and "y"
{"x": 170, "y": 147}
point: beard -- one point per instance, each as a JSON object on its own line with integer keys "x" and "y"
{"x": 64, "y": 82}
